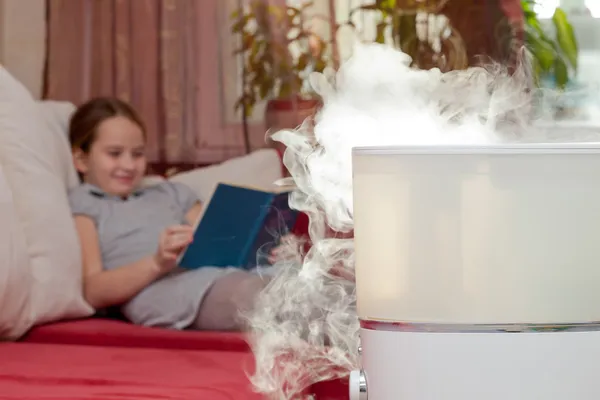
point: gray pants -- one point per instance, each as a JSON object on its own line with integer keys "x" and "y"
{"x": 227, "y": 298}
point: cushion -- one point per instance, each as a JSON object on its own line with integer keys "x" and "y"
{"x": 259, "y": 169}
{"x": 56, "y": 117}
{"x": 32, "y": 161}
{"x": 31, "y": 371}
{"x": 16, "y": 281}
{"x": 112, "y": 333}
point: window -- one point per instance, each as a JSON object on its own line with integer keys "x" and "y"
{"x": 594, "y": 7}
{"x": 545, "y": 8}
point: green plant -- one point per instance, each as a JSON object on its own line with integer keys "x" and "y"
{"x": 279, "y": 51}
{"x": 552, "y": 58}
{"x": 397, "y": 20}
{"x": 393, "y": 16}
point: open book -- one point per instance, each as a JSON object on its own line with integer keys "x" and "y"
{"x": 238, "y": 227}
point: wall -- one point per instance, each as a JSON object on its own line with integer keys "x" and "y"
{"x": 22, "y": 41}
{"x": 2, "y": 13}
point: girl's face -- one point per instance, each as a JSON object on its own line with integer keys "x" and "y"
{"x": 116, "y": 162}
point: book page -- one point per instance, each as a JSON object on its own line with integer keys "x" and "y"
{"x": 275, "y": 188}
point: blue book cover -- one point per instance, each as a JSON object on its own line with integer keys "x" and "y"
{"x": 238, "y": 228}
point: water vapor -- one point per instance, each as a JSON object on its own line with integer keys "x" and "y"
{"x": 305, "y": 328}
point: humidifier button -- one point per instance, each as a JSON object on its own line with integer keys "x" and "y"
{"x": 358, "y": 385}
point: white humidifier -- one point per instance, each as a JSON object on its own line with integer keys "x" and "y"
{"x": 478, "y": 272}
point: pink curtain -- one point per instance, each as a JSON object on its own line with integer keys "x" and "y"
{"x": 147, "y": 52}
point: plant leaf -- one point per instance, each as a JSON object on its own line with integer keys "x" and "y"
{"x": 265, "y": 88}
{"x": 240, "y": 23}
{"x": 404, "y": 30}
{"x": 565, "y": 37}
{"x": 380, "y": 37}
{"x": 561, "y": 73}
{"x": 278, "y": 12}
{"x": 302, "y": 62}
{"x": 285, "y": 90}
{"x": 540, "y": 48}
{"x": 306, "y": 5}
{"x": 391, "y": 4}
{"x": 320, "y": 65}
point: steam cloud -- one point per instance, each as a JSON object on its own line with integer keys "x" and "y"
{"x": 304, "y": 328}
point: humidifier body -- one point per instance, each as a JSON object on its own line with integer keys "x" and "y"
{"x": 477, "y": 272}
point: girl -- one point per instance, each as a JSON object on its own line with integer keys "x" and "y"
{"x": 131, "y": 236}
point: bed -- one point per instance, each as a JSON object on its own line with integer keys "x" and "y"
{"x": 103, "y": 359}
{"x": 69, "y": 355}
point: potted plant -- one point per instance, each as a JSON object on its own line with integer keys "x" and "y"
{"x": 401, "y": 21}
{"x": 279, "y": 51}
{"x": 555, "y": 58}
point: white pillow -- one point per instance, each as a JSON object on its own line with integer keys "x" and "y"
{"x": 260, "y": 169}
{"x": 16, "y": 281}
{"x": 56, "y": 116}
{"x": 33, "y": 165}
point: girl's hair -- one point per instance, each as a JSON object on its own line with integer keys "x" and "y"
{"x": 88, "y": 117}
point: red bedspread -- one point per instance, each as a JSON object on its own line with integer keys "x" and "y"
{"x": 37, "y": 371}
{"x": 106, "y": 332}
{"x": 101, "y": 359}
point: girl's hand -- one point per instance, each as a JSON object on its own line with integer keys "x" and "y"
{"x": 172, "y": 242}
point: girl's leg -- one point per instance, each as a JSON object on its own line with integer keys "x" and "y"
{"x": 229, "y": 295}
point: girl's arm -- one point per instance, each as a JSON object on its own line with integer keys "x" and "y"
{"x": 113, "y": 287}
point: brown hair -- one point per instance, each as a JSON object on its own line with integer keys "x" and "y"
{"x": 86, "y": 119}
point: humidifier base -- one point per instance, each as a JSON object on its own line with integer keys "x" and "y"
{"x": 417, "y": 365}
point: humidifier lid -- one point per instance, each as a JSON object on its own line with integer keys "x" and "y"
{"x": 505, "y": 148}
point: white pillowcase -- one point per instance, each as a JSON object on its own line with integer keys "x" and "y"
{"x": 16, "y": 281}
{"x": 43, "y": 261}
{"x": 259, "y": 169}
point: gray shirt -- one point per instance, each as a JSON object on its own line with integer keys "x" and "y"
{"x": 129, "y": 230}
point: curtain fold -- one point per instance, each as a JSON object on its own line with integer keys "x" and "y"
{"x": 142, "y": 51}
